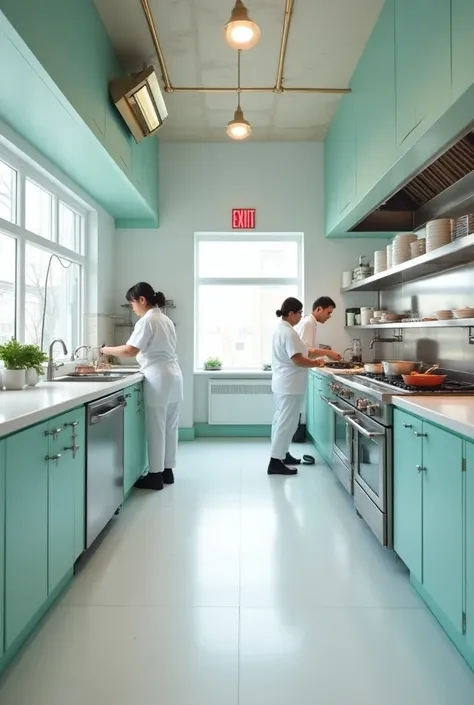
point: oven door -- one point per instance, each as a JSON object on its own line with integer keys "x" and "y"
{"x": 342, "y": 440}
{"x": 371, "y": 449}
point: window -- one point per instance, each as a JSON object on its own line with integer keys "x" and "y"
{"x": 42, "y": 262}
{"x": 240, "y": 283}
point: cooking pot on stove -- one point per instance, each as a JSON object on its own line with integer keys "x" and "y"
{"x": 396, "y": 368}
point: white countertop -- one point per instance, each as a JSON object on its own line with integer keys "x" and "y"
{"x": 24, "y": 408}
{"x": 454, "y": 413}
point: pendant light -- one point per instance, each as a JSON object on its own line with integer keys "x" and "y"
{"x": 241, "y": 32}
{"x": 238, "y": 128}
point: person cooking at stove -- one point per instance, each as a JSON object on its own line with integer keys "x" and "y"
{"x": 153, "y": 342}
{"x": 291, "y": 360}
{"x": 307, "y": 327}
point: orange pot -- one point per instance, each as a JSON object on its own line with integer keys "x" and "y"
{"x": 424, "y": 380}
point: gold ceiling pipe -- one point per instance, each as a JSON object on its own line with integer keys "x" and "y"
{"x": 284, "y": 44}
{"x": 278, "y": 88}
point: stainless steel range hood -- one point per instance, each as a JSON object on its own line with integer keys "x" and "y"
{"x": 443, "y": 188}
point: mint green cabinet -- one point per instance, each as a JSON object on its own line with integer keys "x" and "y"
{"x": 2, "y": 547}
{"x": 66, "y": 443}
{"x": 319, "y": 415}
{"x": 443, "y": 520}
{"x": 340, "y": 160}
{"x": 462, "y": 24}
{"x": 407, "y": 491}
{"x": 373, "y": 86}
{"x": 135, "y": 451}
{"x": 310, "y": 404}
{"x": 469, "y": 534}
{"x": 26, "y": 528}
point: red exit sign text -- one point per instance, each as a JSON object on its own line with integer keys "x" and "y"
{"x": 243, "y": 218}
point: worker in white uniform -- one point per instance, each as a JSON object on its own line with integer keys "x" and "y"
{"x": 307, "y": 327}
{"x": 153, "y": 342}
{"x": 291, "y": 359}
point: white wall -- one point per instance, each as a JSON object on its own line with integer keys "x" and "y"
{"x": 199, "y": 185}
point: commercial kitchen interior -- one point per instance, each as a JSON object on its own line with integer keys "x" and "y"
{"x": 233, "y": 586}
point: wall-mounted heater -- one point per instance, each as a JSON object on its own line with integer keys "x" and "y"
{"x": 140, "y": 102}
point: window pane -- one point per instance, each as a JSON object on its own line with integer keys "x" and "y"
{"x": 69, "y": 228}
{"x": 248, "y": 259}
{"x": 7, "y": 287}
{"x": 7, "y": 192}
{"x": 38, "y": 210}
{"x": 236, "y": 323}
{"x": 63, "y": 298}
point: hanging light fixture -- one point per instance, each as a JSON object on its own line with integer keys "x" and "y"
{"x": 238, "y": 128}
{"x": 240, "y": 31}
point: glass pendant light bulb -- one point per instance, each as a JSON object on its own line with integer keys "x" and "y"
{"x": 241, "y": 32}
{"x": 238, "y": 128}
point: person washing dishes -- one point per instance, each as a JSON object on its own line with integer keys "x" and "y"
{"x": 307, "y": 327}
{"x": 153, "y": 342}
{"x": 291, "y": 359}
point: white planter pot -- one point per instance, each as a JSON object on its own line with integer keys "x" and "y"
{"x": 14, "y": 379}
{"x": 32, "y": 377}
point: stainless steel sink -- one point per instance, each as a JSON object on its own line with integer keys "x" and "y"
{"x": 96, "y": 377}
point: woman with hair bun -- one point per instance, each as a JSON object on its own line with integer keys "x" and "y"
{"x": 291, "y": 359}
{"x": 153, "y": 343}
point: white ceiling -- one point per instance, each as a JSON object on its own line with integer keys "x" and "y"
{"x": 325, "y": 42}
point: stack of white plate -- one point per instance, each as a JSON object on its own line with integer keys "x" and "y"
{"x": 389, "y": 249}
{"x": 438, "y": 233}
{"x": 401, "y": 247}
{"x": 380, "y": 261}
{"x": 417, "y": 248}
{"x": 465, "y": 312}
{"x": 444, "y": 315}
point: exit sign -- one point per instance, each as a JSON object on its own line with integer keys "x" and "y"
{"x": 243, "y": 218}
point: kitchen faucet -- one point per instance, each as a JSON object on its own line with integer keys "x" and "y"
{"x": 52, "y": 366}
{"x": 394, "y": 339}
{"x": 80, "y": 347}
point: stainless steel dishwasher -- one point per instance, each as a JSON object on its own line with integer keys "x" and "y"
{"x": 104, "y": 470}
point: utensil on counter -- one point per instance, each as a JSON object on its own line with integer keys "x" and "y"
{"x": 395, "y": 368}
{"x": 424, "y": 380}
{"x": 373, "y": 368}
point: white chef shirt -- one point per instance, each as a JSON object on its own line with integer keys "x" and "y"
{"x": 155, "y": 337}
{"x": 307, "y": 330}
{"x": 287, "y": 378}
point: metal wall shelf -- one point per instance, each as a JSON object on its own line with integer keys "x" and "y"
{"x": 452, "y": 323}
{"x": 459, "y": 252}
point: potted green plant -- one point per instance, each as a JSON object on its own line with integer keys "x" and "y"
{"x": 34, "y": 359}
{"x": 213, "y": 364}
{"x": 13, "y": 356}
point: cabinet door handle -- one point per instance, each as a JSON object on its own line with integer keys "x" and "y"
{"x": 74, "y": 449}
{"x": 407, "y": 425}
{"x": 420, "y": 468}
{"x": 420, "y": 435}
{"x": 54, "y": 432}
{"x": 53, "y": 458}
{"x": 127, "y": 396}
{"x": 72, "y": 424}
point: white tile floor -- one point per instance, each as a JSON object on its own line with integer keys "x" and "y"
{"x": 232, "y": 588}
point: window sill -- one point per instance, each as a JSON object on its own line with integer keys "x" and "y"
{"x": 234, "y": 374}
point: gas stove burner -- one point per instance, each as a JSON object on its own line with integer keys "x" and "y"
{"x": 343, "y": 365}
{"x": 451, "y": 386}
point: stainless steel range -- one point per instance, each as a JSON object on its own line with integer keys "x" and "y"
{"x": 362, "y": 440}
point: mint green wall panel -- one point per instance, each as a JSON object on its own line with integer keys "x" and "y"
{"x": 469, "y": 534}
{"x": 443, "y": 521}
{"x": 462, "y": 17}
{"x": 373, "y": 85}
{"x": 2, "y": 547}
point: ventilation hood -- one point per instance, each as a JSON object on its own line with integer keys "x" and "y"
{"x": 443, "y": 188}
{"x": 139, "y": 100}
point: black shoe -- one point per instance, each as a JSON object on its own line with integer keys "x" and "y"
{"x": 289, "y": 460}
{"x": 152, "y": 481}
{"x": 278, "y": 467}
{"x": 168, "y": 477}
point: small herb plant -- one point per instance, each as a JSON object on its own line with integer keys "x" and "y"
{"x": 35, "y": 358}
{"x": 13, "y": 355}
{"x": 213, "y": 363}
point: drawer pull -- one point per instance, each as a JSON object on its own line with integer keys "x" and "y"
{"x": 421, "y": 435}
{"x": 74, "y": 449}
{"x": 53, "y": 458}
{"x": 54, "y": 432}
{"x": 72, "y": 424}
{"x": 407, "y": 425}
{"x": 420, "y": 468}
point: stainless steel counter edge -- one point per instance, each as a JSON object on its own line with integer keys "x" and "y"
{"x": 456, "y": 414}
{"x": 21, "y": 409}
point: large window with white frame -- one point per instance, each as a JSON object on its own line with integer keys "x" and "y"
{"x": 42, "y": 256}
{"x": 241, "y": 280}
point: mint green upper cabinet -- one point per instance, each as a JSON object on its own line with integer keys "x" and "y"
{"x": 462, "y": 14}
{"x": 373, "y": 86}
{"x": 2, "y": 545}
{"x": 443, "y": 520}
{"x": 66, "y": 494}
{"x": 346, "y": 156}
{"x": 26, "y": 529}
{"x": 470, "y": 544}
{"x": 422, "y": 66}
{"x": 407, "y": 491}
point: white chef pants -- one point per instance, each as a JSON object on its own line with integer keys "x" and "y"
{"x": 162, "y": 436}
{"x": 285, "y": 423}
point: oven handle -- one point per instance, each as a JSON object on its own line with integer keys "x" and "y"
{"x": 363, "y": 431}
{"x": 338, "y": 411}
